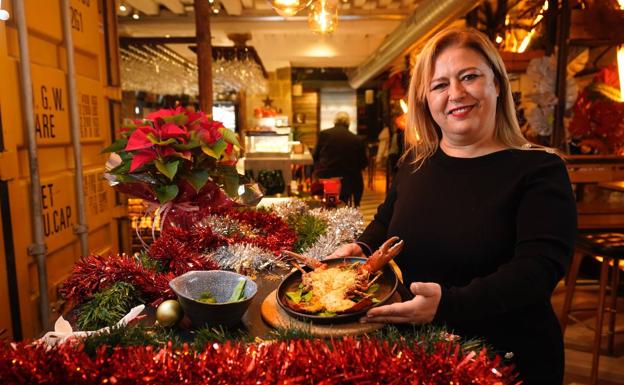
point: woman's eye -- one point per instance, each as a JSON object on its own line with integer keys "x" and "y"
{"x": 470, "y": 77}
{"x": 438, "y": 86}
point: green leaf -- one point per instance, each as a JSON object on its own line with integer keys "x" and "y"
{"x": 179, "y": 119}
{"x": 197, "y": 179}
{"x": 209, "y": 151}
{"x": 239, "y": 291}
{"x": 207, "y": 297}
{"x": 373, "y": 289}
{"x": 168, "y": 169}
{"x": 117, "y": 145}
{"x": 229, "y": 136}
{"x": 230, "y": 179}
{"x": 193, "y": 143}
{"x": 152, "y": 138}
{"x": 216, "y": 150}
{"x": 126, "y": 178}
{"x": 307, "y": 296}
{"x": 166, "y": 193}
{"x": 295, "y": 296}
{"x": 123, "y": 168}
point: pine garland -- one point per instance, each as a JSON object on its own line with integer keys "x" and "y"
{"x": 137, "y": 335}
{"x": 107, "y": 307}
{"x": 308, "y": 228}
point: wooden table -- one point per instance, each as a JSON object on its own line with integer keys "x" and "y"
{"x": 602, "y": 214}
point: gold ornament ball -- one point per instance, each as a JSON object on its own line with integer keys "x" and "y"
{"x": 169, "y": 313}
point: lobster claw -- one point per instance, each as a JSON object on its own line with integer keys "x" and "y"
{"x": 392, "y": 246}
{"x": 390, "y": 249}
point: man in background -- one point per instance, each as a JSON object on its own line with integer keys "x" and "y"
{"x": 340, "y": 153}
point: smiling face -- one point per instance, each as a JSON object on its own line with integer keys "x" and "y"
{"x": 462, "y": 98}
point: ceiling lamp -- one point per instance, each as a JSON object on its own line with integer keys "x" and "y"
{"x": 288, "y": 8}
{"x": 4, "y": 15}
{"x": 323, "y": 16}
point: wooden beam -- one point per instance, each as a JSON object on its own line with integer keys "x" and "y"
{"x": 148, "y": 7}
{"x": 174, "y": 6}
{"x": 204, "y": 54}
{"x": 248, "y": 3}
{"x": 232, "y": 7}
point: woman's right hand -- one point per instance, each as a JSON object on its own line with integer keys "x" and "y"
{"x": 347, "y": 250}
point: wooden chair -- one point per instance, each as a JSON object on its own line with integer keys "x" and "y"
{"x": 609, "y": 246}
{"x": 598, "y": 225}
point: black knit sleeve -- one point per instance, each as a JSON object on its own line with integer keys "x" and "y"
{"x": 546, "y": 228}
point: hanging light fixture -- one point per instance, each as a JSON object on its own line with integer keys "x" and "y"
{"x": 288, "y": 8}
{"x": 4, "y": 15}
{"x": 323, "y": 16}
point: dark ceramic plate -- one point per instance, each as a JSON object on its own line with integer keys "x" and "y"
{"x": 387, "y": 286}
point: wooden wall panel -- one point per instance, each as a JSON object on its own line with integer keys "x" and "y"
{"x": 306, "y": 117}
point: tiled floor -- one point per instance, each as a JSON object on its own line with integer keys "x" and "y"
{"x": 578, "y": 338}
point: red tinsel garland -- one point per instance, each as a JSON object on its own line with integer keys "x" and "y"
{"x": 273, "y": 233}
{"x": 176, "y": 245}
{"x": 345, "y": 361}
{"x": 96, "y": 273}
{"x": 180, "y": 250}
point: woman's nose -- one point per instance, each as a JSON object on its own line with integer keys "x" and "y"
{"x": 456, "y": 90}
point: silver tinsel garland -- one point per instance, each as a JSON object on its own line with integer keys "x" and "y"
{"x": 246, "y": 259}
{"x": 343, "y": 226}
{"x": 221, "y": 225}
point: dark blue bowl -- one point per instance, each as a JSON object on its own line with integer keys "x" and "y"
{"x": 220, "y": 283}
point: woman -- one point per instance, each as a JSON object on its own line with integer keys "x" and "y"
{"x": 488, "y": 221}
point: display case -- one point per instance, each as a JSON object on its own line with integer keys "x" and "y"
{"x": 276, "y": 124}
{"x": 267, "y": 144}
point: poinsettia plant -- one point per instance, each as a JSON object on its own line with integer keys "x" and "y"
{"x": 597, "y": 126}
{"x": 174, "y": 155}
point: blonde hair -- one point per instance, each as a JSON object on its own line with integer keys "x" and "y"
{"x": 422, "y": 134}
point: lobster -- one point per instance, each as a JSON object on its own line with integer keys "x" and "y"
{"x": 342, "y": 288}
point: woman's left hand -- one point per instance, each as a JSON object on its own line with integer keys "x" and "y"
{"x": 421, "y": 309}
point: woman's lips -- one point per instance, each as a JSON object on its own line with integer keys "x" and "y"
{"x": 460, "y": 112}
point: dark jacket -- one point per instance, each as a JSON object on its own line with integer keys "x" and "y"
{"x": 339, "y": 153}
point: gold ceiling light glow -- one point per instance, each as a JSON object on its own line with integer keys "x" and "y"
{"x": 621, "y": 4}
{"x": 323, "y": 16}
{"x": 620, "y": 64}
{"x": 538, "y": 18}
{"x": 4, "y": 15}
{"x": 288, "y": 8}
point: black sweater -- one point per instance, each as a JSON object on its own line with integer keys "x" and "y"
{"x": 497, "y": 233}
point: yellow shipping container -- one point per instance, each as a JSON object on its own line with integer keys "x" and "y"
{"x": 98, "y": 99}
